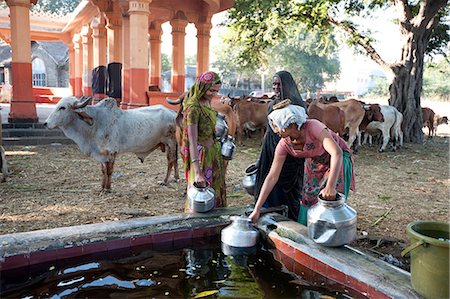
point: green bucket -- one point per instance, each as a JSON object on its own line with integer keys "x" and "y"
{"x": 429, "y": 252}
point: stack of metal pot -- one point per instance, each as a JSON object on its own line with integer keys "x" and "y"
{"x": 240, "y": 237}
{"x": 332, "y": 222}
{"x": 200, "y": 199}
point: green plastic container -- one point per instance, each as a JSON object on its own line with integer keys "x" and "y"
{"x": 429, "y": 252}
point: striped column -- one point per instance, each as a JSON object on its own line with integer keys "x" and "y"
{"x": 78, "y": 65}
{"x": 203, "y": 37}
{"x": 139, "y": 12}
{"x": 178, "y": 34}
{"x": 23, "y": 107}
{"x": 155, "y": 53}
{"x": 86, "y": 39}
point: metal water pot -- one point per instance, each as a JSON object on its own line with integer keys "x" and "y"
{"x": 332, "y": 223}
{"x": 221, "y": 127}
{"x": 240, "y": 233}
{"x": 228, "y": 148}
{"x": 201, "y": 199}
{"x": 249, "y": 180}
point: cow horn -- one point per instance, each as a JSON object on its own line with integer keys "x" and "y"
{"x": 173, "y": 102}
{"x": 82, "y": 102}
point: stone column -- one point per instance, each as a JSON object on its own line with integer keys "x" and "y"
{"x": 99, "y": 50}
{"x": 203, "y": 36}
{"x": 139, "y": 11}
{"x": 86, "y": 39}
{"x": 155, "y": 32}
{"x": 78, "y": 68}
{"x": 23, "y": 107}
{"x": 71, "y": 50}
{"x": 114, "y": 32}
{"x": 178, "y": 33}
{"x": 125, "y": 54}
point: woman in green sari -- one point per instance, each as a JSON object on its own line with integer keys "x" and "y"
{"x": 200, "y": 149}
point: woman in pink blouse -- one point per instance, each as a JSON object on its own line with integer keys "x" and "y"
{"x": 328, "y": 163}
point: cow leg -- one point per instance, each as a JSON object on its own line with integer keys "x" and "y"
{"x": 3, "y": 165}
{"x": 107, "y": 171}
{"x": 386, "y": 138}
{"x": 171, "y": 163}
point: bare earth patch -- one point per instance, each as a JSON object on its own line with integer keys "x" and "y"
{"x": 53, "y": 186}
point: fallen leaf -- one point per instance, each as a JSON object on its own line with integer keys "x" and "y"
{"x": 206, "y": 294}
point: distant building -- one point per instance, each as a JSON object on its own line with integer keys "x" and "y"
{"x": 50, "y": 64}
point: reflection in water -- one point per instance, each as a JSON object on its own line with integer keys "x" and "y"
{"x": 184, "y": 273}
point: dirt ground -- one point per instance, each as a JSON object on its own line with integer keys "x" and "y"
{"x": 55, "y": 185}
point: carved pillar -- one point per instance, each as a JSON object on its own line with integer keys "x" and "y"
{"x": 203, "y": 36}
{"x": 86, "y": 39}
{"x": 78, "y": 65}
{"x": 155, "y": 32}
{"x": 99, "y": 51}
{"x": 71, "y": 50}
{"x": 179, "y": 24}
{"x": 139, "y": 11}
{"x": 125, "y": 54}
{"x": 23, "y": 107}
{"x": 114, "y": 32}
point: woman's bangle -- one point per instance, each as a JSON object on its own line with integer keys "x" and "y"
{"x": 194, "y": 160}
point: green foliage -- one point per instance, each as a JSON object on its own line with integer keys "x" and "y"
{"x": 56, "y": 6}
{"x": 380, "y": 87}
{"x": 292, "y": 47}
{"x": 166, "y": 62}
{"x": 436, "y": 81}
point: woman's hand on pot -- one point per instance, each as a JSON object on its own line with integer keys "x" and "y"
{"x": 254, "y": 216}
{"x": 328, "y": 193}
{"x": 200, "y": 181}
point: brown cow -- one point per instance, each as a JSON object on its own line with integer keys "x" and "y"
{"x": 428, "y": 120}
{"x": 3, "y": 164}
{"x": 251, "y": 114}
{"x": 438, "y": 120}
{"x": 354, "y": 114}
{"x": 333, "y": 117}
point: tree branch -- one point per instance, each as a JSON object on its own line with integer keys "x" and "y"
{"x": 362, "y": 42}
{"x": 407, "y": 16}
{"x": 428, "y": 11}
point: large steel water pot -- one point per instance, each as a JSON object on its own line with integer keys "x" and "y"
{"x": 201, "y": 199}
{"x": 332, "y": 222}
{"x": 240, "y": 233}
{"x": 249, "y": 180}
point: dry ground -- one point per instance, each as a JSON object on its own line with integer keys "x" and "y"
{"x": 52, "y": 186}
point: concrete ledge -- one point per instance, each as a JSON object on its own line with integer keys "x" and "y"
{"x": 58, "y": 238}
{"x": 367, "y": 275}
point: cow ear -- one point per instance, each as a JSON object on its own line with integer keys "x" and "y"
{"x": 85, "y": 117}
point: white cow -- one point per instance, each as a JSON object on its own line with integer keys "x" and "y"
{"x": 3, "y": 164}
{"x": 390, "y": 127}
{"x": 102, "y": 131}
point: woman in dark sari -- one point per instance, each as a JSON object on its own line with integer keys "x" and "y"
{"x": 287, "y": 190}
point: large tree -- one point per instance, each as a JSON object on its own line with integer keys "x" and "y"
{"x": 423, "y": 25}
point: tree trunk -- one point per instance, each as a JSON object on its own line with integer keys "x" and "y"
{"x": 406, "y": 87}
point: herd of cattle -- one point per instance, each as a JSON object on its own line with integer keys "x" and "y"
{"x": 103, "y": 131}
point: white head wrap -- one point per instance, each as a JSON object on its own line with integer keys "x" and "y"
{"x": 283, "y": 117}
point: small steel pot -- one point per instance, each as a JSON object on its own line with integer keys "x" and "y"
{"x": 249, "y": 180}
{"x": 221, "y": 127}
{"x": 201, "y": 199}
{"x": 228, "y": 148}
